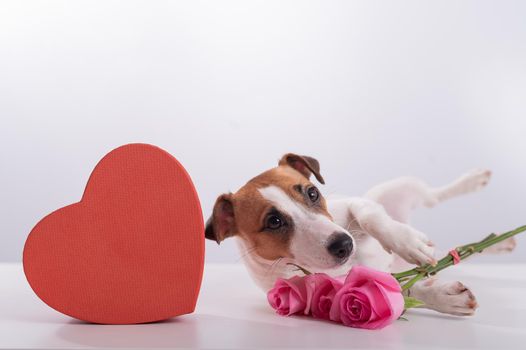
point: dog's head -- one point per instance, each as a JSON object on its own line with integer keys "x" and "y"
{"x": 281, "y": 214}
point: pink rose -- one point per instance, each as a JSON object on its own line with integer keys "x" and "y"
{"x": 288, "y": 296}
{"x": 321, "y": 290}
{"x": 368, "y": 299}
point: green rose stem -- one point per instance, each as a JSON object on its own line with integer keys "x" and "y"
{"x": 410, "y": 277}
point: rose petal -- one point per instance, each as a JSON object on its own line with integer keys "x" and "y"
{"x": 320, "y": 285}
{"x": 359, "y": 274}
{"x": 324, "y": 305}
{"x": 368, "y": 299}
{"x": 395, "y": 302}
{"x": 376, "y": 299}
{"x": 288, "y": 296}
{"x": 361, "y": 301}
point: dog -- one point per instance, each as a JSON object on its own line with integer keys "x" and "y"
{"x": 280, "y": 217}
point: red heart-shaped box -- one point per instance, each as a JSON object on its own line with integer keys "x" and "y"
{"x": 131, "y": 251}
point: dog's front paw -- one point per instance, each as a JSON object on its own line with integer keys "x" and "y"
{"x": 411, "y": 245}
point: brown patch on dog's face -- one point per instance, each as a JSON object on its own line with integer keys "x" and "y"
{"x": 253, "y": 212}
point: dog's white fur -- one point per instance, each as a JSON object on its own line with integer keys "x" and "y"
{"x": 378, "y": 223}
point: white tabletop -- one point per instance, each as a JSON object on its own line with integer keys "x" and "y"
{"x": 233, "y": 313}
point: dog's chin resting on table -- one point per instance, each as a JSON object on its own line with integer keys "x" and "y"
{"x": 280, "y": 217}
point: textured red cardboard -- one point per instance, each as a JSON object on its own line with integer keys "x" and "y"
{"x": 132, "y": 249}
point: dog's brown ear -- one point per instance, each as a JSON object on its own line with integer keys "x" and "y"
{"x": 222, "y": 223}
{"x": 304, "y": 164}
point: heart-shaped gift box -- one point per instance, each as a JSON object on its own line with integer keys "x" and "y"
{"x": 132, "y": 249}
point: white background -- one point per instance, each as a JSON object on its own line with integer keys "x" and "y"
{"x": 372, "y": 89}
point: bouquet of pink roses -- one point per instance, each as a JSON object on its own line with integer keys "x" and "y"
{"x": 364, "y": 298}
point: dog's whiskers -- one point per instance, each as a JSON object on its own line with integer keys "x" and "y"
{"x": 357, "y": 231}
{"x": 246, "y": 253}
{"x": 273, "y": 266}
{"x": 351, "y": 222}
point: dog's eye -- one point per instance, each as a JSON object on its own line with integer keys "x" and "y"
{"x": 273, "y": 222}
{"x": 313, "y": 194}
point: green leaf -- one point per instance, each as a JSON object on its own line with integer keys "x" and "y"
{"x": 401, "y": 318}
{"x": 410, "y": 302}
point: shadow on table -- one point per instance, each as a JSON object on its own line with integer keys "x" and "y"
{"x": 208, "y": 331}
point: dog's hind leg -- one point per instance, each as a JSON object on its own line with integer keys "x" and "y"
{"x": 450, "y": 297}
{"x": 400, "y": 196}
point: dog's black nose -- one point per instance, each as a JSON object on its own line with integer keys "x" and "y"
{"x": 340, "y": 245}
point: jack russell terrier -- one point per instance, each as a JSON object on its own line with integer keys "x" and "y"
{"x": 280, "y": 217}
